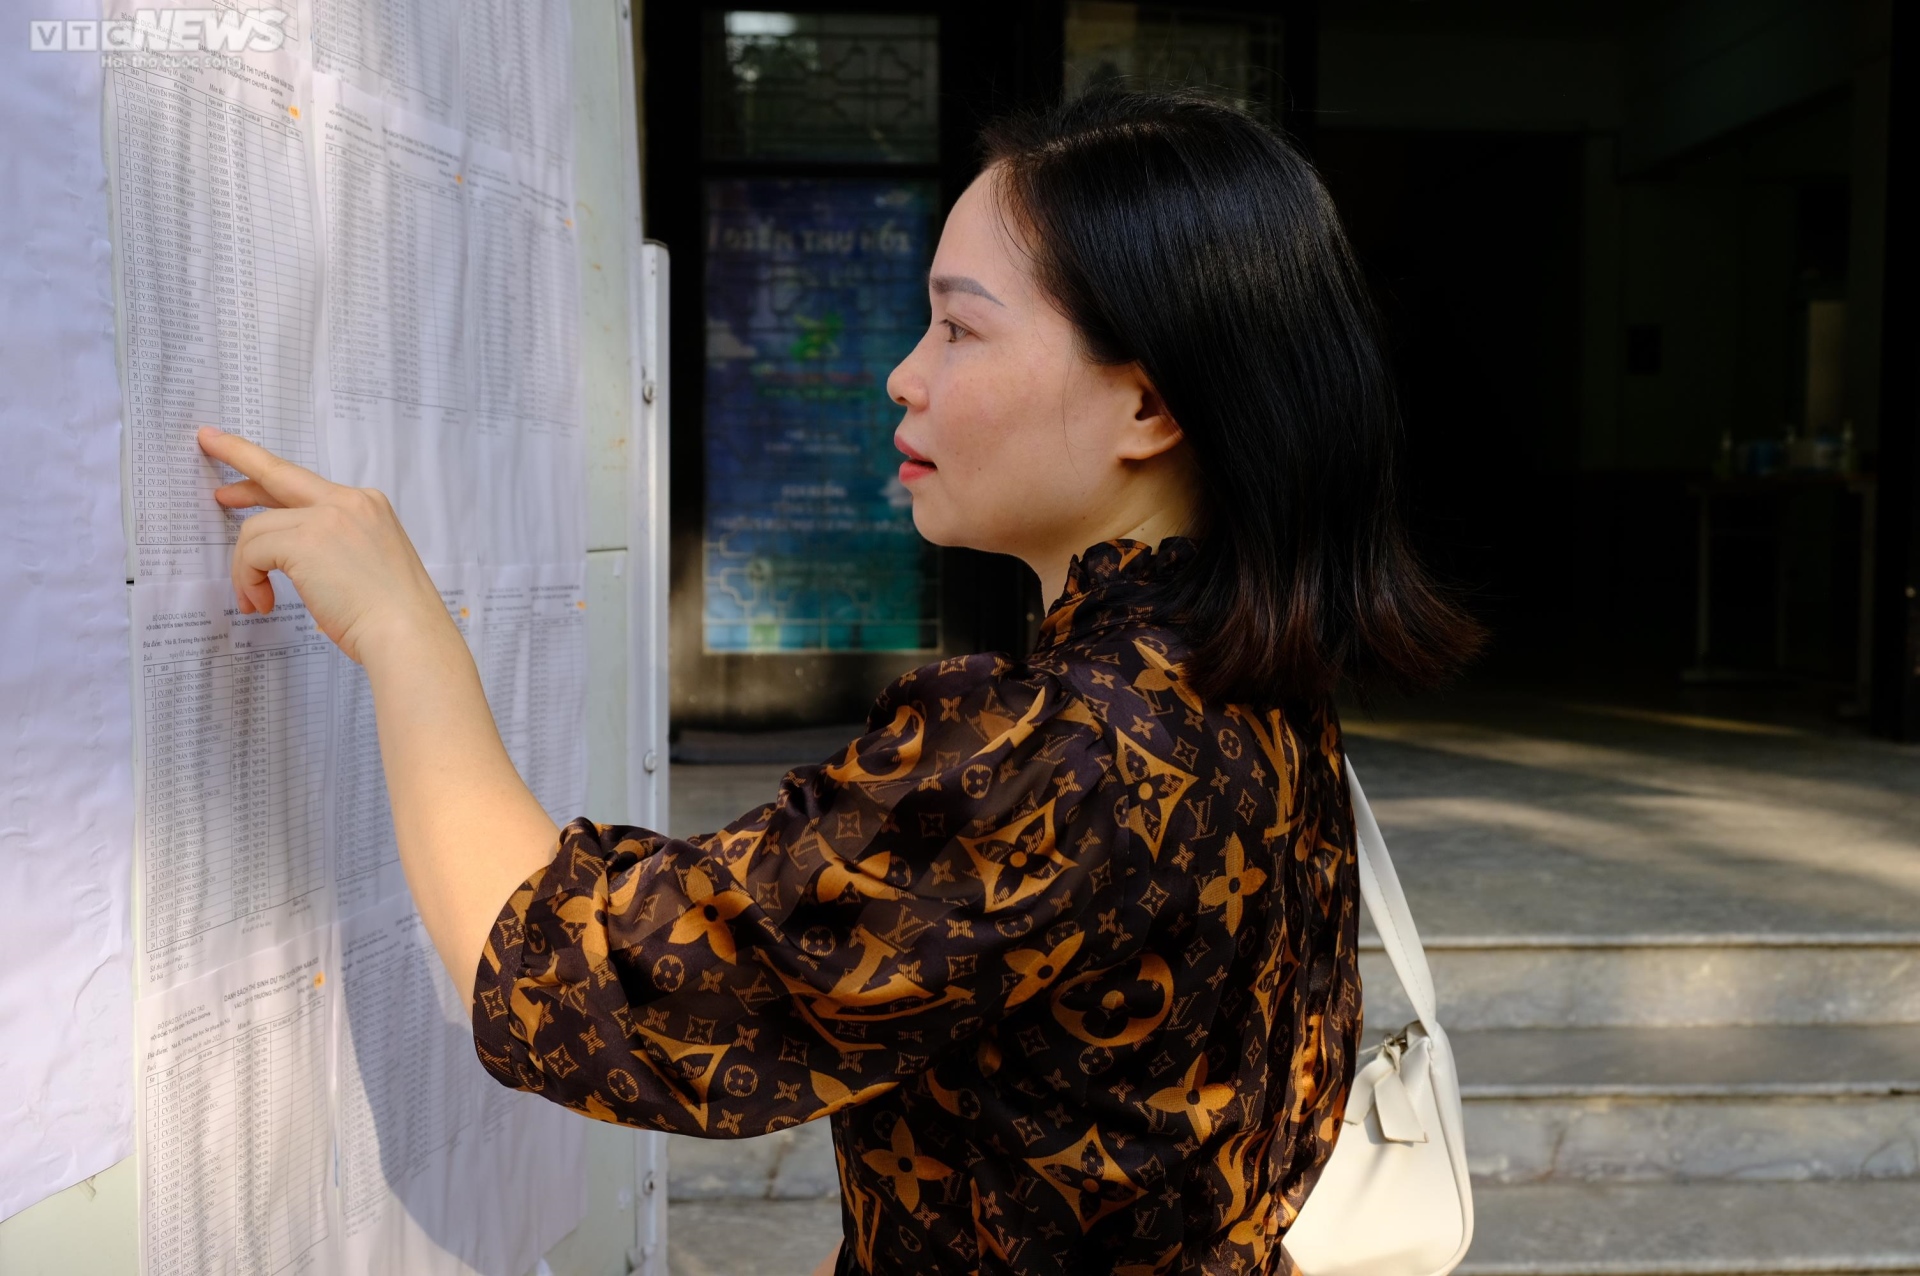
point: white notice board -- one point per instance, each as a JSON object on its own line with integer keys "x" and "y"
{"x": 403, "y": 246}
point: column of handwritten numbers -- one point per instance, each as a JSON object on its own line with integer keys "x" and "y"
{"x": 553, "y": 315}
{"x": 539, "y": 769}
{"x": 236, "y": 219}
{"x": 520, "y": 30}
{"x": 407, "y": 286}
{"x": 548, "y": 680}
{"x": 368, "y": 1003}
{"x": 536, "y": 323}
{"x": 283, "y": 245}
{"x": 172, "y": 333}
{"x": 486, "y": 70}
{"x": 498, "y": 296}
{"x": 250, "y": 737}
{"x": 570, "y": 745}
{"x": 278, "y": 726}
{"x": 190, "y": 1186}
{"x": 547, "y": 81}
{"x": 421, "y": 54}
{"x": 339, "y": 35}
{"x": 427, "y": 248}
{"x": 253, "y": 1145}
{"x": 564, "y": 262}
{"x": 301, "y": 1136}
{"x": 534, "y": 63}
{"x": 438, "y": 1056}
{"x": 554, "y": 683}
{"x": 398, "y": 54}
{"x": 188, "y": 846}
{"x": 503, "y": 675}
{"x": 442, "y": 205}
{"x": 410, "y": 1088}
{"x": 362, "y": 820}
{"x": 299, "y": 793}
{"x": 357, "y": 329}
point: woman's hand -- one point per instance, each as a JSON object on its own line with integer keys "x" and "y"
{"x": 468, "y": 829}
{"x": 342, "y": 547}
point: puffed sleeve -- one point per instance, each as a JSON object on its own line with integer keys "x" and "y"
{"x": 889, "y": 903}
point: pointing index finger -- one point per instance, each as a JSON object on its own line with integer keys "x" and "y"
{"x": 287, "y": 483}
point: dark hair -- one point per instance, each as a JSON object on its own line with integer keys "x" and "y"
{"x": 1180, "y": 235}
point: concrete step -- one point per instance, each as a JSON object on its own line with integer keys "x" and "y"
{"x": 1748, "y": 1103}
{"x": 1695, "y": 1229}
{"x": 1665, "y": 981}
{"x": 791, "y": 1164}
{"x": 750, "y": 1237}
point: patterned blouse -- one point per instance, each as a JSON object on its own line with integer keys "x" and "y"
{"x": 1066, "y": 953}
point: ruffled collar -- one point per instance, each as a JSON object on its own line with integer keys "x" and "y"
{"x": 1111, "y": 584}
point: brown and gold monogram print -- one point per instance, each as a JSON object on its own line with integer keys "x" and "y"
{"x": 1067, "y": 954}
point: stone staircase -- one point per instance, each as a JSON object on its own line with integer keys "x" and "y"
{"x": 1677, "y": 1104}
{"x": 1679, "y": 960}
{"x": 1661, "y": 1106}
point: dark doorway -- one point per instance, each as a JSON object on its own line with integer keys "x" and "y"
{"x": 799, "y": 163}
{"x": 1471, "y": 244}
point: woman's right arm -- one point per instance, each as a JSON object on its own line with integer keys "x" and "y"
{"x": 959, "y": 860}
{"x": 469, "y": 830}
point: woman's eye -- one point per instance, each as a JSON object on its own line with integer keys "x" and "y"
{"x": 954, "y": 330}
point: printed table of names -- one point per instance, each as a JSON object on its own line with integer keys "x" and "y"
{"x": 218, "y": 287}
{"x": 232, "y": 721}
{"x": 233, "y": 1097}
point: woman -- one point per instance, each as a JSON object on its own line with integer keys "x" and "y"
{"x": 1064, "y": 944}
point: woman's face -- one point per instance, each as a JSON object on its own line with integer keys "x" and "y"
{"x": 1016, "y": 443}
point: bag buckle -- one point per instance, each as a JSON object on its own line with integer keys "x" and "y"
{"x": 1378, "y": 1088}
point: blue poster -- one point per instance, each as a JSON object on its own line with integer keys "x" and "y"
{"x": 815, "y": 289}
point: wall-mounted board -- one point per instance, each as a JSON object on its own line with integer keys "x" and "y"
{"x": 468, "y": 319}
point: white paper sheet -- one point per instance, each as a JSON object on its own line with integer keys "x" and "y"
{"x": 441, "y": 1170}
{"x": 533, "y": 663}
{"x": 396, "y": 401}
{"x": 66, "y": 827}
{"x": 235, "y": 1129}
{"x": 452, "y": 339}
{"x": 396, "y": 49}
{"x": 359, "y": 251}
{"x": 516, "y": 59}
{"x": 231, "y": 718}
{"x": 366, "y": 860}
{"x": 523, "y": 331}
{"x": 218, "y": 285}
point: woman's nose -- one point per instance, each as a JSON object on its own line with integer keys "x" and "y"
{"x": 906, "y": 387}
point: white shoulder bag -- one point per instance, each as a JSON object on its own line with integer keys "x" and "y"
{"x": 1394, "y": 1199}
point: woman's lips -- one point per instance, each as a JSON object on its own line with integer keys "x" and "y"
{"x": 915, "y": 466}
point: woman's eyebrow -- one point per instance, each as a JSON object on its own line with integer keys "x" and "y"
{"x": 944, "y": 284}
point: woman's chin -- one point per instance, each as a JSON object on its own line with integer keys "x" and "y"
{"x": 944, "y": 534}
{"x": 931, "y": 527}
{"x": 937, "y": 524}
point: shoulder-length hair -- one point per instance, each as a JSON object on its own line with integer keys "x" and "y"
{"x": 1180, "y": 235}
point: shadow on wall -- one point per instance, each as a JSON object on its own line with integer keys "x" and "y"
{"x": 424, "y": 1125}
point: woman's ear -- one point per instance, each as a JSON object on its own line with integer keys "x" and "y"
{"x": 1153, "y": 429}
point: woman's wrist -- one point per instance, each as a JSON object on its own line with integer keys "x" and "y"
{"x": 408, "y": 638}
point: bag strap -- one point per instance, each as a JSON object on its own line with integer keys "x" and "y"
{"x": 1380, "y": 888}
